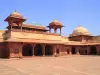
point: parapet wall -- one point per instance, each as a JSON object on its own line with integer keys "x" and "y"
{"x": 25, "y": 35}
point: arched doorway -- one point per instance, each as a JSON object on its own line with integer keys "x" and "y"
{"x": 67, "y": 51}
{"x": 73, "y": 50}
{"x": 48, "y": 50}
{"x": 5, "y": 53}
{"x": 81, "y": 51}
{"x": 57, "y": 51}
{"x": 93, "y": 50}
{"x": 85, "y": 52}
{"x": 27, "y": 50}
{"x": 38, "y": 50}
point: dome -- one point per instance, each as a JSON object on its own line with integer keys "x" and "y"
{"x": 80, "y": 31}
{"x": 55, "y": 23}
{"x": 16, "y": 15}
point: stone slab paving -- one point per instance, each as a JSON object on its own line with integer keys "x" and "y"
{"x": 7, "y": 70}
{"x": 65, "y": 65}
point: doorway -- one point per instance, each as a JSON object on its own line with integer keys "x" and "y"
{"x": 27, "y": 50}
{"x": 48, "y": 50}
{"x": 38, "y": 50}
{"x": 93, "y": 50}
{"x": 73, "y": 50}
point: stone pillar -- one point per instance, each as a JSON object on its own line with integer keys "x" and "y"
{"x": 43, "y": 49}
{"x": 66, "y": 50}
{"x": 54, "y": 50}
{"x": 77, "y": 50}
{"x": 70, "y": 52}
{"x": 10, "y": 50}
{"x": 60, "y": 31}
{"x": 55, "y": 30}
{"x": 20, "y": 54}
{"x": 49, "y": 30}
{"x": 98, "y": 50}
{"x": 21, "y": 26}
{"x": 33, "y": 50}
{"x": 55, "y": 54}
{"x": 20, "y": 50}
{"x": 88, "y": 50}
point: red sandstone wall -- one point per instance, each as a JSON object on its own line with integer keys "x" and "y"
{"x": 62, "y": 49}
{"x": 15, "y": 49}
{"x": 4, "y": 51}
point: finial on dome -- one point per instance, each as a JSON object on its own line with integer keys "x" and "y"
{"x": 15, "y": 10}
{"x": 16, "y": 13}
{"x": 79, "y": 25}
{"x": 55, "y": 21}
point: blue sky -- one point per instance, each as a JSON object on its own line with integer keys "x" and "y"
{"x": 70, "y": 12}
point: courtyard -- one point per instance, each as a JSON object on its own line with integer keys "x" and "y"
{"x": 62, "y": 65}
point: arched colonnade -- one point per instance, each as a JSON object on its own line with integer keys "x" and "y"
{"x": 39, "y": 50}
{"x": 83, "y": 50}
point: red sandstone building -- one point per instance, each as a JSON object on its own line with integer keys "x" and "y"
{"x": 21, "y": 40}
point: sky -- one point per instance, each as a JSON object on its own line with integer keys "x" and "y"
{"x": 71, "y": 13}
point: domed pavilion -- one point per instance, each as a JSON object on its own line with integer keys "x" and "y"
{"x": 80, "y": 33}
{"x": 55, "y": 25}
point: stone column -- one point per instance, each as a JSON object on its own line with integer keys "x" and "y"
{"x": 60, "y": 31}
{"x": 33, "y": 50}
{"x": 98, "y": 50}
{"x": 21, "y": 26}
{"x": 66, "y": 50}
{"x": 55, "y": 30}
{"x": 49, "y": 30}
{"x": 54, "y": 50}
{"x": 55, "y": 53}
{"x": 70, "y": 52}
{"x": 43, "y": 49}
{"x": 20, "y": 50}
{"x": 10, "y": 50}
{"x": 88, "y": 50}
{"x": 77, "y": 50}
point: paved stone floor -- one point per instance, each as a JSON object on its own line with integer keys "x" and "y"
{"x": 65, "y": 65}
